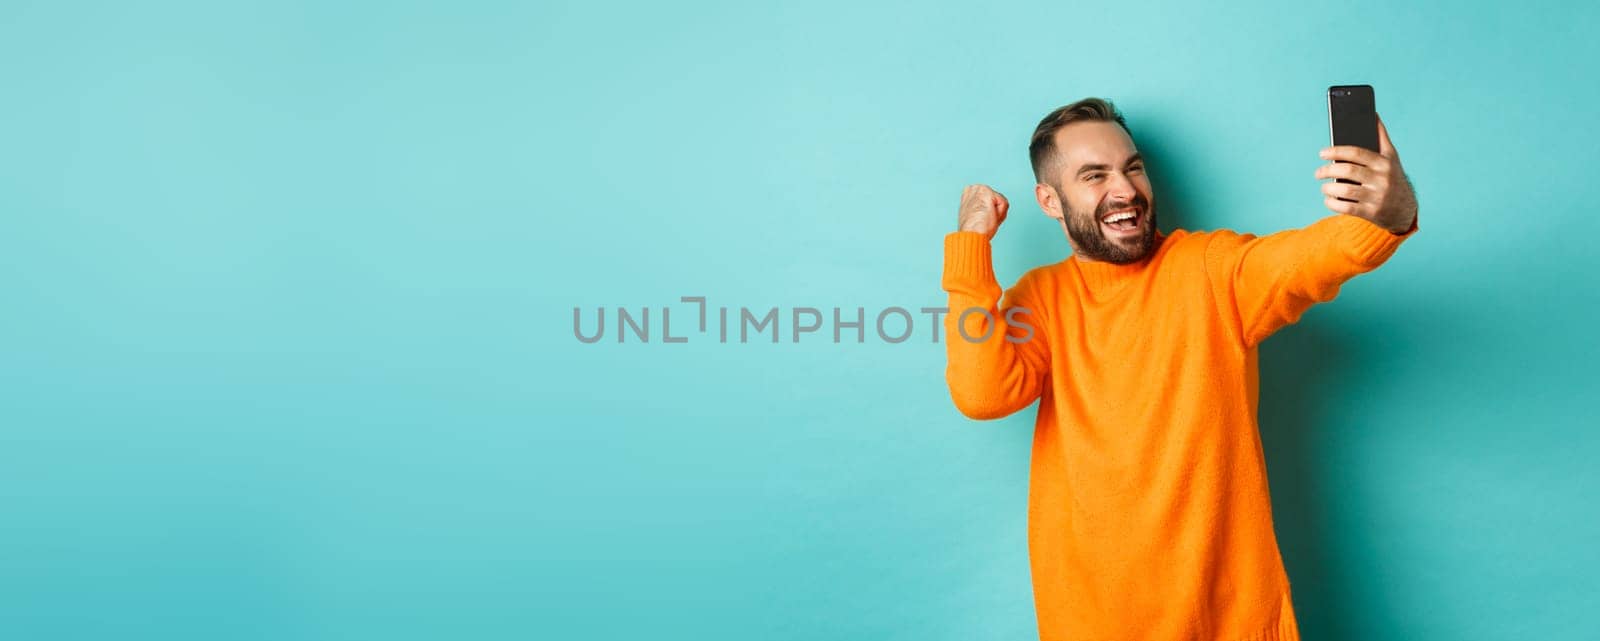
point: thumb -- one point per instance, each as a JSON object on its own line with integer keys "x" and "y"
{"x": 1385, "y": 148}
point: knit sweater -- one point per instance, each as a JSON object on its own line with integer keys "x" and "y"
{"x": 1148, "y": 511}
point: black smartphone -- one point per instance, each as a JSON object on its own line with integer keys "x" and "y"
{"x": 1352, "y": 118}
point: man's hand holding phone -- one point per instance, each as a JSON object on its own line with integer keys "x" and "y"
{"x": 1383, "y": 195}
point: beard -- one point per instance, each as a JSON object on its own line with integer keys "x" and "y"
{"x": 1089, "y": 233}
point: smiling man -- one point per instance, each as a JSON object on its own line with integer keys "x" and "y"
{"x": 1148, "y": 511}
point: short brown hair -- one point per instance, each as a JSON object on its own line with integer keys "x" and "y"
{"x": 1043, "y": 147}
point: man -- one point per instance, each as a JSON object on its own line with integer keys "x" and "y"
{"x": 1148, "y": 511}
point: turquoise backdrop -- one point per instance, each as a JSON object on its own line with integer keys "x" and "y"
{"x": 289, "y": 347}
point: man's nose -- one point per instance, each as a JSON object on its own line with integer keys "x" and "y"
{"x": 1121, "y": 189}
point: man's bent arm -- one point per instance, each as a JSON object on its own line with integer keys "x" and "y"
{"x": 999, "y": 360}
{"x": 1268, "y": 282}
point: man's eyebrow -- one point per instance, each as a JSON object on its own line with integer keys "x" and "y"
{"x": 1136, "y": 157}
{"x": 1094, "y": 167}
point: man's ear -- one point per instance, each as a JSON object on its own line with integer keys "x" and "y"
{"x": 1049, "y": 200}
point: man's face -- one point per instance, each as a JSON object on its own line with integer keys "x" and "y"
{"x": 1099, "y": 175}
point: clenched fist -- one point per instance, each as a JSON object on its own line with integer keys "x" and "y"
{"x": 982, "y": 210}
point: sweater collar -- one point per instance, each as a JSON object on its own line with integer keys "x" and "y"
{"x": 1102, "y": 276}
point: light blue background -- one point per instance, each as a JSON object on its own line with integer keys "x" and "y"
{"x": 288, "y": 350}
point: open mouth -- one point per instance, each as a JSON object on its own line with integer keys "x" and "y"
{"x": 1123, "y": 221}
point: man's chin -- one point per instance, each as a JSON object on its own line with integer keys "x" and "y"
{"x": 1133, "y": 249}
{"x": 1120, "y": 249}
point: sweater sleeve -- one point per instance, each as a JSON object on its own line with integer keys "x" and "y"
{"x": 998, "y": 356}
{"x": 1268, "y": 282}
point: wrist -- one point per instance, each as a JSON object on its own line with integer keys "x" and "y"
{"x": 1408, "y": 228}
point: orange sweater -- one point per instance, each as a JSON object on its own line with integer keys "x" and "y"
{"x": 1148, "y": 511}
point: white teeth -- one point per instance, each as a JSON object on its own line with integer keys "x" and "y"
{"x": 1114, "y": 218}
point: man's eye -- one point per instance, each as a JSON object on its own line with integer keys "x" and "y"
{"x": 1092, "y": 176}
{"x": 1136, "y": 168}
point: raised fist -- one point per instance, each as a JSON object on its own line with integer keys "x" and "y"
{"x": 982, "y": 210}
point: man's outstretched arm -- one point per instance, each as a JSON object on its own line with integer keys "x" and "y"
{"x": 1268, "y": 282}
{"x": 998, "y": 359}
